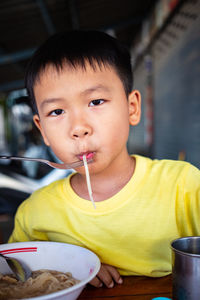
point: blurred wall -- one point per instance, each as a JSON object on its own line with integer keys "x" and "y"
{"x": 175, "y": 76}
{"x": 177, "y": 97}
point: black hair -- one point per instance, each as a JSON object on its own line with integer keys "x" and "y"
{"x": 76, "y": 48}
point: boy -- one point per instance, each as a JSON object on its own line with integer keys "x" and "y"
{"x": 80, "y": 84}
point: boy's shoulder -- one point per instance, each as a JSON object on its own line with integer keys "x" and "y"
{"x": 165, "y": 163}
{"x": 43, "y": 199}
{"x": 53, "y": 187}
{"x": 170, "y": 169}
{"x": 44, "y": 194}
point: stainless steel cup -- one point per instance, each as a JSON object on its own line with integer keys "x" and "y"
{"x": 186, "y": 268}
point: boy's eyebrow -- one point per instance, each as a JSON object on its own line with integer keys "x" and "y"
{"x": 50, "y": 100}
{"x": 95, "y": 88}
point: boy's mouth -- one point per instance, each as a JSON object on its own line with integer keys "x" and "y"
{"x": 89, "y": 155}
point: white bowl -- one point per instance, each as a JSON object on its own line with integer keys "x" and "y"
{"x": 82, "y": 263}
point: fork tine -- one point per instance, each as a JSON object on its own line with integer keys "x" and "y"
{"x": 73, "y": 165}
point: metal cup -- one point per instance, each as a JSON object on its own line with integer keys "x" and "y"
{"x": 186, "y": 268}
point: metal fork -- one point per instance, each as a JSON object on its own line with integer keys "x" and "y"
{"x": 47, "y": 162}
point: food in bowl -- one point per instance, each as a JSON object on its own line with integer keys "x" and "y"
{"x": 41, "y": 282}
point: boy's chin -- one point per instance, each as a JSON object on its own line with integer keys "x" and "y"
{"x": 92, "y": 169}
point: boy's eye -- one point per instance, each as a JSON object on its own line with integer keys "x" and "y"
{"x": 96, "y": 102}
{"x": 56, "y": 112}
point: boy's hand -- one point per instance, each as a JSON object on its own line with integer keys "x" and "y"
{"x": 107, "y": 275}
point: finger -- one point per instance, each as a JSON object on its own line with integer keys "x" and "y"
{"x": 96, "y": 282}
{"x": 115, "y": 274}
{"x": 105, "y": 277}
{"x": 108, "y": 275}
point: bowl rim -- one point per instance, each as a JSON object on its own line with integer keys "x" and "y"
{"x": 66, "y": 291}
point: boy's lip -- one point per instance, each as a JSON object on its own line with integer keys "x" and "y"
{"x": 88, "y": 154}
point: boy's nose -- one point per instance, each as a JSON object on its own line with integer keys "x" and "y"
{"x": 81, "y": 131}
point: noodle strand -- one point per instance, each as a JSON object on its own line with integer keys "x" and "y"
{"x": 88, "y": 180}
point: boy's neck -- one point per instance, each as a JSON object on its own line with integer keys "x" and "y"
{"x": 104, "y": 185}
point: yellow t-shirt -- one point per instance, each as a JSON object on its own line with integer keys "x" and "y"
{"x": 131, "y": 230}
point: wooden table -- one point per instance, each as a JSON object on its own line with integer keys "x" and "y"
{"x": 133, "y": 287}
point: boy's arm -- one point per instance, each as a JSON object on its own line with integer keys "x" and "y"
{"x": 108, "y": 275}
{"x": 188, "y": 206}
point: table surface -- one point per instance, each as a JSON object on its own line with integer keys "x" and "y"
{"x": 133, "y": 287}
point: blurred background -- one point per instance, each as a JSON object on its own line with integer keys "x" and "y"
{"x": 164, "y": 41}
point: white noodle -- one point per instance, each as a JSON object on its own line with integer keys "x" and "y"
{"x": 88, "y": 180}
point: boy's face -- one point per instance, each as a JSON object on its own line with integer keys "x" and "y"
{"x": 85, "y": 112}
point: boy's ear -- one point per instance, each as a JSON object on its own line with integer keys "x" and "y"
{"x": 134, "y": 101}
{"x": 37, "y": 122}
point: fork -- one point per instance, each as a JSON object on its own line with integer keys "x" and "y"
{"x": 47, "y": 162}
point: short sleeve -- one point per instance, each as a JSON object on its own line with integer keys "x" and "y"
{"x": 19, "y": 233}
{"x": 23, "y": 227}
